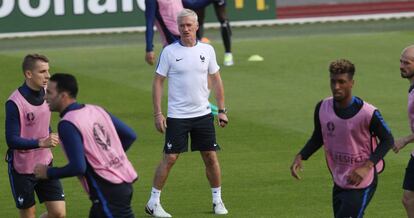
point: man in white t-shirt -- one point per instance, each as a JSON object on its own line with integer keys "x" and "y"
{"x": 188, "y": 64}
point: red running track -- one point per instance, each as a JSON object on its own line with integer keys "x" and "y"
{"x": 323, "y": 10}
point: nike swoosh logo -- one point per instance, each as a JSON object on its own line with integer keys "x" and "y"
{"x": 178, "y": 59}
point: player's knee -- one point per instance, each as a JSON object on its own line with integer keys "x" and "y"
{"x": 28, "y": 212}
{"x": 170, "y": 160}
{"x": 408, "y": 200}
{"x": 57, "y": 214}
{"x": 210, "y": 159}
{"x": 405, "y": 202}
{"x": 225, "y": 27}
{"x": 224, "y": 23}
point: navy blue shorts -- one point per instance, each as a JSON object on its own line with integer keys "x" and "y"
{"x": 24, "y": 186}
{"x": 409, "y": 175}
{"x": 352, "y": 202}
{"x": 108, "y": 199}
{"x": 201, "y": 130}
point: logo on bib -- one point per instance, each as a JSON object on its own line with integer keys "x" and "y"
{"x": 30, "y": 118}
{"x": 331, "y": 128}
{"x": 100, "y": 136}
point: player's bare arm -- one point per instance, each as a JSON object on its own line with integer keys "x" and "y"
{"x": 402, "y": 142}
{"x": 157, "y": 89}
{"x": 218, "y": 88}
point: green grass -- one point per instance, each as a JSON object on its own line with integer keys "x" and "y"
{"x": 270, "y": 106}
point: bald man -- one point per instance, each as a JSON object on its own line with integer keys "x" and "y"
{"x": 407, "y": 72}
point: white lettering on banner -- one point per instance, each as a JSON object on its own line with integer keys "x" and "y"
{"x": 78, "y": 7}
{"x": 59, "y": 7}
{"x": 141, "y": 4}
{"x": 127, "y": 5}
{"x": 6, "y": 8}
{"x": 96, "y": 8}
{"x": 43, "y": 6}
{"x": 29, "y": 11}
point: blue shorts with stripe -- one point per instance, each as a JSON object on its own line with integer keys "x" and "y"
{"x": 24, "y": 186}
{"x": 352, "y": 202}
{"x": 109, "y": 200}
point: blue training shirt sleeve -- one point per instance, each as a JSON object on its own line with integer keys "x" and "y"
{"x": 13, "y": 139}
{"x": 150, "y": 10}
{"x": 125, "y": 133}
{"x": 72, "y": 139}
{"x": 380, "y": 129}
{"x": 316, "y": 140}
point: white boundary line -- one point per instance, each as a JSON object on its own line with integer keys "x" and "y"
{"x": 249, "y": 23}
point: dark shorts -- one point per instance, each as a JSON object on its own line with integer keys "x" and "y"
{"x": 201, "y": 130}
{"x": 24, "y": 186}
{"x": 409, "y": 175}
{"x": 108, "y": 199}
{"x": 352, "y": 202}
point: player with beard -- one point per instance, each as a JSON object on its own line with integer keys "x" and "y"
{"x": 349, "y": 128}
{"x": 407, "y": 72}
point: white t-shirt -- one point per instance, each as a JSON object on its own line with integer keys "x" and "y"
{"x": 187, "y": 69}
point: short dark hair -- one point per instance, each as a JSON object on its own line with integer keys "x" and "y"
{"x": 65, "y": 83}
{"x": 342, "y": 66}
{"x": 30, "y": 60}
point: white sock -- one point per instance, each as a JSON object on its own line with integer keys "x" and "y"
{"x": 216, "y": 192}
{"x": 155, "y": 196}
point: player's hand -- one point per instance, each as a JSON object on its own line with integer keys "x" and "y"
{"x": 40, "y": 171}
{"x": 358, "y": 174}
{"x": 398, "y": 145}
{"x": 55, "y": 138}
{"x": 222, "y": 119}
{"x": 160, "y": 123}
{"x": 296, "y": 166}
{"x": 150, "y": 57}
{"x": 49, "y": 142}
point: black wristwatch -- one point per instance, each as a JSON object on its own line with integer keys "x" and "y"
{"x": 222, "y": 111}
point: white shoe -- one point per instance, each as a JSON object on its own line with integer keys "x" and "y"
{"x": 219, "y": 208}
{"x": 156, "y": 210}
{"x": 228, "y": 59}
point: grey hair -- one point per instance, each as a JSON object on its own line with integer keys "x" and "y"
{"x": 187, "y": 13}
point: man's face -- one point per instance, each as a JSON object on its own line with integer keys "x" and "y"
{"x": 341, "y": 86}
{"x": 38, "y": 76}
{"x": 406, "y": 65}
{"x": 187, "y": 27}
{"x": 53, "y": 97}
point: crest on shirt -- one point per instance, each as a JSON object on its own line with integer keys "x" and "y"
{"x": 202, "y": 58}
{"x": 101, "y": 137}
{"x": 30, "y": 118}
{"x": 169, "y": 145}
{"x": 331, "y": 128}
